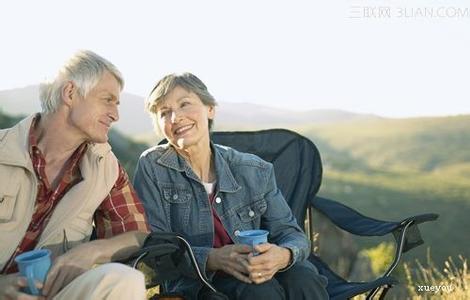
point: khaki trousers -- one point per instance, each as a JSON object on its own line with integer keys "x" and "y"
{"x": 108, "y": 281}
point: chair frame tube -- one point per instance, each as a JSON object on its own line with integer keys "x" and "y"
{"x": 398, "y": 254}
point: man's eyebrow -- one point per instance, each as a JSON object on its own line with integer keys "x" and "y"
{"x": 114, "y": 97}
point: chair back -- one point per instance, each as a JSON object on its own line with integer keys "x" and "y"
{"x": 296, "y": 161}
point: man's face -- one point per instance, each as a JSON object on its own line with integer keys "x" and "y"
{"x": 92, "y": 115}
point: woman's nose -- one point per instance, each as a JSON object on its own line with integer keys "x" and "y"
{"x": 175, "y": 116}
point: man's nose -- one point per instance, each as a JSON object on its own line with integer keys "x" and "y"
{"x": 114, "y": 114}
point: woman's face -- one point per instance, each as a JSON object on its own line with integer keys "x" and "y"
{"x": 183, "y": 118}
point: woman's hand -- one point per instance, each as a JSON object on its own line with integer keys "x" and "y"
{"x": 10, "y": 288}
{"x": 268, "y": 262}
{"x": 231, "y": 259}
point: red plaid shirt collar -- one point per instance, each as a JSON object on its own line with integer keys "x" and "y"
{"x": 72, "y": 171}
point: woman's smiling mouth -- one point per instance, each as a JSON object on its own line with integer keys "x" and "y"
{"x": 182, "y": 130}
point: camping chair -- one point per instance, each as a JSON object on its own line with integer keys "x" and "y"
{"x": 166, "y": 256}
{"x": 298, "y": 171}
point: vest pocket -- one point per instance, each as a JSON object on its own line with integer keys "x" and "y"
{"x": 8, "y": 196}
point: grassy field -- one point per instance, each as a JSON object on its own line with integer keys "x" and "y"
{"x": 394, "y": 197}
{"x": 391, "y": 169}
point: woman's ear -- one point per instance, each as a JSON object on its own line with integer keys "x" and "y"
{"x": 211, "y": 112}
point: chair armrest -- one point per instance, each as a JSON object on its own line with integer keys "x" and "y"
{"x": 351, "y": 220}
{"x": 356, "y": 223}
{"x": 406, "y": 232}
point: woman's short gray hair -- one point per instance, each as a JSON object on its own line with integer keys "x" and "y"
{"x": 85, "y": 69}
{"x": 187, "y": 81}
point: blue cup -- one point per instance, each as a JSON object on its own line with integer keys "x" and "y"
{"x": 34, "y": 265}
{"x": 253, "y": 237}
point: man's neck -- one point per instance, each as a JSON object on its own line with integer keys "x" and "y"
{"x": 55, "y": 139}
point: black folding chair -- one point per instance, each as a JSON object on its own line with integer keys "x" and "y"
{"x": 298, "y": 171}
{"x": 168, "y": 256}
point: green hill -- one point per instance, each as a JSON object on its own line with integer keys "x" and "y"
{"x": 7, "y": 120}
{"x": 421, "y": 144}
{"x": 391, "y": 169}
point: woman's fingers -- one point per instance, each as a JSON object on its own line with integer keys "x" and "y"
{"x": 240, "y": 276}
{"x": 260, "y": 276}
{"x": 240, "y": 248}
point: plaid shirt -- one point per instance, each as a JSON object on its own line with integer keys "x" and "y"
{"x": 120, "y": 211}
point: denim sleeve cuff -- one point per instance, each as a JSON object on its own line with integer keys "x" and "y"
{"x": 294, "y": 257}
{"x": 202, "y": 254}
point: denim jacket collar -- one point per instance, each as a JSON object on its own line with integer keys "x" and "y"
{"x": 226, "y": 181}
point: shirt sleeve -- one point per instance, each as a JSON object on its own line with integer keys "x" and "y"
{"x": 121, "y": 211}
{"x": 281, "y": 223}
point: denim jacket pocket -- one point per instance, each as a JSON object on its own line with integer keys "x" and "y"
{"x": 177, "y": 203}
{"x": 251, "y": 214}
{"x": 175, "y": 193}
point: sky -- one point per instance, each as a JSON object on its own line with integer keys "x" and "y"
{"x": 386, "y": 57}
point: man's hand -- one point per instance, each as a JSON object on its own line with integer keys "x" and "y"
{"x": 268, "y": 262}
{"x": 69, "y": 266}
{"x": 231, "y": 259}
{"x": 83, "y": 257}
{"x": 10, "y": 288}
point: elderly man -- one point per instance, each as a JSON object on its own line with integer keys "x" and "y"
{"x": 58, "y": 176}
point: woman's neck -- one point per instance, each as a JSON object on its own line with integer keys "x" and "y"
{"x": 201, "y": 162}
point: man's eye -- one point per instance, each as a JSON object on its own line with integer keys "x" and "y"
{"x": 185, "y": 103}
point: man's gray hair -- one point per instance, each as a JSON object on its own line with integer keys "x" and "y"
{"x": 85, "y": 69}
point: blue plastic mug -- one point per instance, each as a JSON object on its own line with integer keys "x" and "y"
{"x": 34, "y": 265}
{"x": 253, "y": 237}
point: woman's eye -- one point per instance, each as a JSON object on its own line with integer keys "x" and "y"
{"x": 185, "y": 103}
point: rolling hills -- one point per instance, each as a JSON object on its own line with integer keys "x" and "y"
{"x": 391, "y": 169}
{"x": 135, "y": 121}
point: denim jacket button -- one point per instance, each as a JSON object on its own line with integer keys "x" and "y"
{"x": 175, "y": 196}
{"x": 237, "y": 232}
{"x": 218, "y": 200}
{"x": 251, "y": 213}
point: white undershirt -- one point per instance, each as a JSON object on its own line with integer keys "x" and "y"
{"x": 209, "y": 186}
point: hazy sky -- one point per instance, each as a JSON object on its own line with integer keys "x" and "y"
{"x": 406, "y": 58}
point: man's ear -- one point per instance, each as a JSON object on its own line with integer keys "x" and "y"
{"x": 68, "y": 92}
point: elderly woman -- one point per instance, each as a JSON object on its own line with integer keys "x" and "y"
{"x": 208, "y": 193}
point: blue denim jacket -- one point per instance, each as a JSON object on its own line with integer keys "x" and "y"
{"x": 175, "y": 200}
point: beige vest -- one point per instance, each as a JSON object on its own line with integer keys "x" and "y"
{"x": 72, "y": 217}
